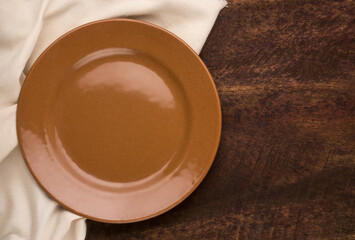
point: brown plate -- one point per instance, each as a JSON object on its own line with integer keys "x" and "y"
{"x": 119, "y": 120}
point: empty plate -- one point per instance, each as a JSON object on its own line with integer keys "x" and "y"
{"x": 119, "y": 120}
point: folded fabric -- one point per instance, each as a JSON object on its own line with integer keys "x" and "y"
{"x": 26, "y": 29}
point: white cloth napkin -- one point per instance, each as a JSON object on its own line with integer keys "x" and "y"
{"x": 26, "y": 29}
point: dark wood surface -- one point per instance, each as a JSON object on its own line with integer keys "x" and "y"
{"x": 285, "y": 167}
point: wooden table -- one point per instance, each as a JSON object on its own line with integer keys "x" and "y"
{"x": 285, "y": 166}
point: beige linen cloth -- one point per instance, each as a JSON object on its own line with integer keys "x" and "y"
{"x": 27, "y": 27}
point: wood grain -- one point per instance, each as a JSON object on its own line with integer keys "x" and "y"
{"x": 285, "y": 168}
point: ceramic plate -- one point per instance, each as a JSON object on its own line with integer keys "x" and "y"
{"x": 119, "y": 120}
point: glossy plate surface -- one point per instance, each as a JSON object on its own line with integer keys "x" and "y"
{"x": 119, "y": 120}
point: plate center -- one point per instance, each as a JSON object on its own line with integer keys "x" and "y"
{"x": 119, "y": 118}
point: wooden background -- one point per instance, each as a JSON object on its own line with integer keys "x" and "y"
{"x": 285, "y": 167}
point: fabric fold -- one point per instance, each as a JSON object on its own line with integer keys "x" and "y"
{"x": 26, "y": 29}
